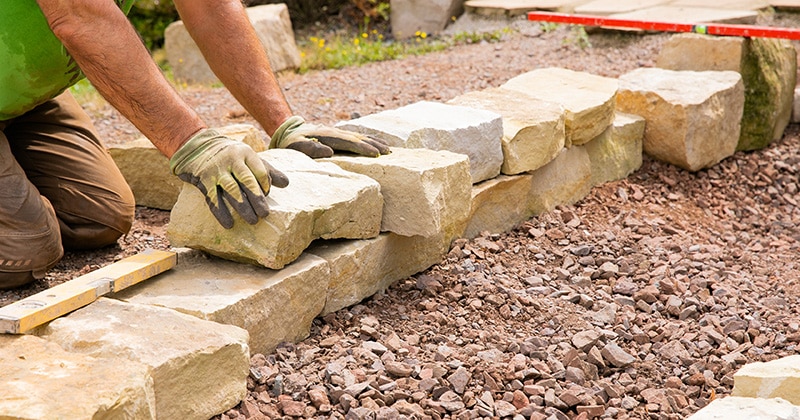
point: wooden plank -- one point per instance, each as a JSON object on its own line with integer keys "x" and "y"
{"x": 47, "y": 305}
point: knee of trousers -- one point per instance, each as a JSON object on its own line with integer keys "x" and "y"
{"x": 26, "y": 255}
{"x": 102, "y": 229}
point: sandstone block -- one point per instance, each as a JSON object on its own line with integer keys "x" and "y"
{"x": 796, "y": 106}
{"x": 430, "y": 125}
{"x": 425, "y": 192}
{"x": 42, "y": 381}
{"x": 321, "y": 201}
{"x": 609, "y": 7}
{"x": 273, "y": 306}
{"x": 362, "y": 268}
{"x": 748, "y": 408}
{"x": 499, "y": 204}
{"x": 564, "y": 181}
{"x": 409, "y": 17}
{"x": 273, "y": 28}
{"x": 692, "y": 118}
{"x": 147, "y": 171}
{"x": 617, "y": 152}
{"x": 776, "y": 379}
{"x": 533, "y": 129}
{"x": 199, "y": 367}
{"x": 587, "y": 99}
{"x": 769, "y": 72}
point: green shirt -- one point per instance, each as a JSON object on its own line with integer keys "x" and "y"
{"x": 35, "y": 65}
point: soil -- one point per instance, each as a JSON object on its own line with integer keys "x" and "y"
{"x": 640, "y": 301}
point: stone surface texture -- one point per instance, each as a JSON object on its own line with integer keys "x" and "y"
{"x": 776, "y": 379}
{"x": 42, "y": 381}
{"x": 498, "y": 204}
{"x": 748, "y": 408}
{"x": 693, "y": 119}
{"x": 321, "y": 201}
{"x": 533, "y": 129}
{"x": 410, "y": 17}
{"x": 617, "y": 152}
{"x": 199, "y": 368}
{"x": 436, "y": 126}
{"x": 564, "y": 181}
{"x": 425, "y": 192}
{"x": 273, "y": 28}
{"x": 588, "y": 99}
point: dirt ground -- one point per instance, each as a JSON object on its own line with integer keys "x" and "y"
{"x": 640, "y": 301}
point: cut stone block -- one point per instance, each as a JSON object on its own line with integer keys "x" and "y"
{"x": 776, "y": 379}
{"x": 608, "y": 7}
{"x": 533, "y": 129}
{"x": 273, "y": 306}
{"x": 684, "y": 14}
{"x": 693, "y": 118}
{"x": 425, "y": 192}
{"x": 147, "y": 170}
{"x": 769, "y": 73}
{"x": 748, "y": 408}
{"x": 588, "y": 100}
{"x": 499, "y": 204}
{"x": 410, "y": 17}
{"x": 199, "y": 368}
{"x": 431, "y": 125}
{"x": 321, "y": 201}
{"x": 42, "y": 381}
{"x": 796, "y": 106}
{"x": 564, "y": 181}
{"x": 361, "y": 268}
{"x": 727, "y": 4}
{"x": 495, "y": 8}
{"x": 617, "y": 152}
{"x": 273, "y": 28}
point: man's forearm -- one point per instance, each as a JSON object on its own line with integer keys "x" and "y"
{"x": 106, "y": 47}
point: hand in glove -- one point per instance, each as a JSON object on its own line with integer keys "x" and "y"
{"x": 320, "y": 141}
{"x": 225, "y": 170}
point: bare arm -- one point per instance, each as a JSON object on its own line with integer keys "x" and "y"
{"x": 106, "y": 47}
{"x": 229, "y": 43}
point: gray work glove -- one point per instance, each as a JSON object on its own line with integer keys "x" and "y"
{"x": 226, "y": 170}
{"x": 320, "y": 141}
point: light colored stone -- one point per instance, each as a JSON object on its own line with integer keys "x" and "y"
{"x": 617, "y": 152}
{"x": 776, "y": 379}
{"x": 682, "y": 14}
{"x": 564, "y": 181}
{"x": 147, "y": 170}
{"x": 273, "y": 28}
{"x": 727, "y": 4}
{"x": 499, "y": 204}
{"x": 495, "y": 8}
{"x": 436, "y": 126}
{"x": 533, "y": 129}
{"x": 410, "y": 17}
{"x": 199, "y": 368}
{"x": 588, "y": 99}
{"x": 42, "y": 381}
{"x": 608, "y": 7}
{"x": 321, "y": 201}
{"x": 748, "y": 408}
{"x": 769, "y": 72}
{"x": 796, "y": 106}
{"x": 362, "y": 268}
{"x": 273, "y": 306}
{"x": 693, "y": 118}
{"x": 425, "y": 192}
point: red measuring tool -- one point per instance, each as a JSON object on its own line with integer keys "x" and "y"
{"x": 700, "y": 28}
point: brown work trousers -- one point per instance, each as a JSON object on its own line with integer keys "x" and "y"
{"x": 59, "y": 189}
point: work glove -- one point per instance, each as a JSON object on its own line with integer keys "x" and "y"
{"x": 227, "y": 171}
{"x": 320, "y": 141}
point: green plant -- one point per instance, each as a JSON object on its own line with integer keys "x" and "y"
{"x": 548, "y": 26}
{"x": 475, "y": 37}
{"x": 580, "y": 37}
{"x": 151, "y": 18}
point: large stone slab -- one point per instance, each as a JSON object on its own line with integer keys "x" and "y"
{"x": 684, "y": 14}
{"x": 147, "y": 170}
{"x": 361, "y": 268}
{"x": 425, "y": 192}
{"x": 273, "y": 28}
{"x": 776, "y": 379}
{"x": 436, "y": 126}
{"x": 693, "y": 118}
{"x": 727, "y": 4}
{"x": 769, "y": 72}
{"x": 411, "y": 17}
{"x": 273, "y": 306}
{"x": 533, "y": 129}
{"x": 617, "y": 152}
{"x": 499, "y": 204}
{"x": 748, "y": 408}
{"x": 199, "y": 367}
{"x": 608, "y": 7}
{"x": 587, "y": 99}
{"x": 564, "y": 181}
{"x": 42, "y": 381}
{"x": 511, "y": 8}
{"x": 321, "y": 201}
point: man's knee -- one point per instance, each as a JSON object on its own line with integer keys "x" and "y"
{"x": 101, "y": 227}
{"x": 31, "y": 249}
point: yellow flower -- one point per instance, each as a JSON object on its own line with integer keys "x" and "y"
{"x": 356, "y": 41}
{"x": 423, "y": 35}
{"x": 364, "y": 35}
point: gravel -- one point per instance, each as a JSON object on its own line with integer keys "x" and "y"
{"x": 640, "y": 301}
